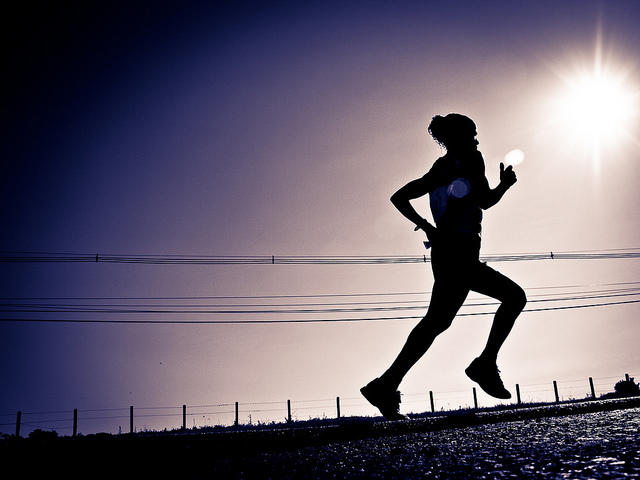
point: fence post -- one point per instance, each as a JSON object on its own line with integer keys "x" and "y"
{"x": 518, "y": 393}
{"x": 75, "y": 422}
{"x": 475, "y": 398}
{"x": 338, "y": 405}
{"x": 555, "y": 388}
{"x": 184, "y": 417}
{"x": 131, "y": 419}
{"x": 433, "y": 407}
{"x": 593, "y": 390}
{"x": 288, "y": 411}
{"x": 18, "y": 423}
{"x": 236, "y": 420}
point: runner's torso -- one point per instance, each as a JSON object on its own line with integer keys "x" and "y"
{"x": 453, "y": 185}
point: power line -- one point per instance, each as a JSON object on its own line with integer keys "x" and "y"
{"x": 45, "y": 257}
{"x": 330, "y": 305}
{"x": 244, "y": 309}
{"x": 628, "y": 286}
{"x": 323, "y": 320}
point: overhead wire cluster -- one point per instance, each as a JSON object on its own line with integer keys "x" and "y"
{"x": 48, "y": 257}
{"x": 273, "y": 309}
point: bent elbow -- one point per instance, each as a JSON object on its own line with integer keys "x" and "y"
{"x": 487, "y": 203}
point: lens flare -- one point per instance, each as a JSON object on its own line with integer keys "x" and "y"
{"x": 514, "y": 157}
{"x": 459, "y": 188}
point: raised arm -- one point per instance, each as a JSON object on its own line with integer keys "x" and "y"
{"x": 488, "y": 197}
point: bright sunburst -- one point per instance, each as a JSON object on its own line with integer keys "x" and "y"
{"x": 598, "y": 107}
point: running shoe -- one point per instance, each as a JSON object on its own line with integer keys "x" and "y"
{"x": 487, "y": 376}
{"x": 384, "y": 399}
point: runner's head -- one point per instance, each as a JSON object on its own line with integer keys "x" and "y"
{"x": 454, "y": 132}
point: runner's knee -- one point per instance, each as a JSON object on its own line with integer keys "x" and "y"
{"x": 433, "y": 324}
{"x": 438, "y": 323}
{"x": 518, "y": 298}
{"x": 441, "y": 325}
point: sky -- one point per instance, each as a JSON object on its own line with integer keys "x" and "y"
{"x": 198, "y": 131}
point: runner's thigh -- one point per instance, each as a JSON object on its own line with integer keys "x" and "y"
{"x": 446, "y": 299}
{"x": 492, "y": 283}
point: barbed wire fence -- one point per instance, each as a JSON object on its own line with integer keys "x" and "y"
{"x": 269, "y": 413}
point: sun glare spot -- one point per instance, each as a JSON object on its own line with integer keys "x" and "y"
{"x": 514, "y": 157}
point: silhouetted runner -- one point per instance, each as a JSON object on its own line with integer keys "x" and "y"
{"x": 458, "y": 192}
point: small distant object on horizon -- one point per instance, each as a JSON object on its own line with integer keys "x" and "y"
{"x": 514, "y": 157}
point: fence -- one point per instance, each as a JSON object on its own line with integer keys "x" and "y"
{"x": 275, "y": 412}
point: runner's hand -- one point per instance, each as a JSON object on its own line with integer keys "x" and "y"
{"x": 507, "y": 176}
{"x": 429, "y": 229}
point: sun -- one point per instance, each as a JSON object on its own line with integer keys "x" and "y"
{"x": 598, "y": 106}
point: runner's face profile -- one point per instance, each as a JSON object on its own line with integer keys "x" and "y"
{"x": 465, "y": 141}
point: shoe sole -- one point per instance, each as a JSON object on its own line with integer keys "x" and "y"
{"x": 389, "y": 415}
{"x": 502, "y": 396}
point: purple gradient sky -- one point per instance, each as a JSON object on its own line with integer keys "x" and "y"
{"x": 282, "y": 129}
